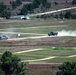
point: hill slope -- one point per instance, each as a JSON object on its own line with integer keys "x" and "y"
{"x": 55, "y": 4}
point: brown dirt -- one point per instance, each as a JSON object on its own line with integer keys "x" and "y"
{"x": 43, "y": 69}
{"x": 21, "y": 45}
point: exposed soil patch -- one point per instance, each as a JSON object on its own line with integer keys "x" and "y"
{"x": 43, "y": 69}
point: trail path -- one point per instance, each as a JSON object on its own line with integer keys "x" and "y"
{"x": 28, "y": 51}
{"x": 51, "y": 57}
{"x": 42, "y": 59}
{"x": 29, "y": 38}
{"x": 50, "y": 12}
{"x": 72, "y": 56}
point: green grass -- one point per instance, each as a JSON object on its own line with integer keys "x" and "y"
{"x": 40, "y": 29}
{"x": 51, "y": 52}
{"x": 30, "y": 56}
{"x": 42, "y": 26}
{"x": 61, "y": 52}
{"x": 60, "y": 60}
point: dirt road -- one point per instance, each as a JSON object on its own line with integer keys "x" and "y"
{"x": 27, "y": 51}
{"x": 50, "y": 12}
{"x": 51, "y": 57}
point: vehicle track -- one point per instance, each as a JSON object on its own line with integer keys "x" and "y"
{"x": 42, "y": 59}
{"x": 50, "y": 12}
{"x": 28, "y": 51}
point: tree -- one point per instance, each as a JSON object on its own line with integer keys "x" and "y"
{"x": 73, "y": 16}
{"x": 67, "y": 68}
{"x": 47, "y": 5}
{"x": 2, "y": 7}
{"x": 4, "y": 11}
{"x": 56, "y": 3}
{"x": 18, "y": 2}
{"x": 24, "y": 10}
{"x": 6, "y": 14}
{"x": 6, "y": 63}
{"x": 36, "y": 3}
{"x": 74, "y": 2}
{"x": 11, "y": 64}
{"x": 43, "y": 2}
{"x": 61, "y": 15}
{"x": 21, "y": 69}
{"x": 29, "y": 7}
{"x": 68, "y": 15}
{"x": 13, "y": 3}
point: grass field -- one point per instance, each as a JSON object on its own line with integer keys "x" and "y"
{"x": 43, "y": 53}
{"x": 59, "y": 53}
{"x": 47, "y": 44}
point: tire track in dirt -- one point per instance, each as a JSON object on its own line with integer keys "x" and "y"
{"x": 28, "y": 38}
{"x": 71, "y": 56}
{"x": 51, "y": 57}
{"x": 42, "y": 59}
{"x": 48, "y": 58}
{"x": 55, "y": 11}
{"x": 27, "y": 51}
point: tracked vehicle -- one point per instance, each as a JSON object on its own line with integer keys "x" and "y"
{"x": 3, "y": 37}
{"x": 53, "y": 34}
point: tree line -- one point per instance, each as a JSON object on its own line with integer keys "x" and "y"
{"x": 4, "y": 11}
{"x": 28, "y": 8}
{"x": 15, "y": 3}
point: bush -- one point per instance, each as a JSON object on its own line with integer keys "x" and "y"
{"x": 74, "y": 2}
{"x": 67, "y": 68}
{"x": 68, "y": 15}
{"x": 11, "y": 64}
